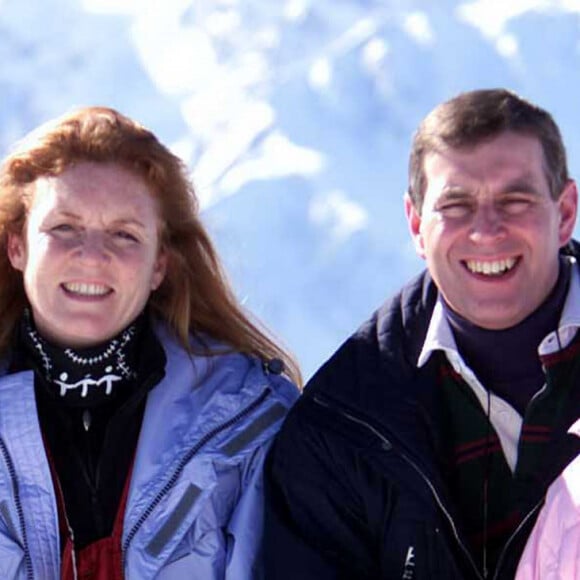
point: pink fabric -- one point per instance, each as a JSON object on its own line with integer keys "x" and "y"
{"x": 553, "y": 549}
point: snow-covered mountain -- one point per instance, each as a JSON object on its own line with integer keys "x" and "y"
{"x": 295, "y": 117}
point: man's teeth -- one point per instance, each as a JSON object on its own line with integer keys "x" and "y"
{"x": 491, "y": 268}
{"x": 86, "y": 289}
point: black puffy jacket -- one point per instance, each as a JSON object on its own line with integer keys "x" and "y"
{"x": 353, "y": 484}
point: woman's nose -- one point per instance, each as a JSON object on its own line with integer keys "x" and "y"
{"x": 93, "y": 247}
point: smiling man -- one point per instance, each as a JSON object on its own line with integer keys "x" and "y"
{"x": 424, "y": 447}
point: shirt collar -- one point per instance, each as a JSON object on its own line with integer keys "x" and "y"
{"x": 439, "y": 335}
{"x": 570, "y": 319}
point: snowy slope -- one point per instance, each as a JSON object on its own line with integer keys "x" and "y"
{"x": 295, "y": 117}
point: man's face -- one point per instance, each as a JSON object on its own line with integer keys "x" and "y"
{"x": 490, "y": 231}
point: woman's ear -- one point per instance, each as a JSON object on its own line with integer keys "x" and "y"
{"x": 159, "y": 269}
{"x": 16, "y": 251}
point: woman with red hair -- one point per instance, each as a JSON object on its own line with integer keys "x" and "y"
{"x": 137, "y": 398}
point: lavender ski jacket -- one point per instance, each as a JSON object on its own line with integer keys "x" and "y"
{"x": 194, "y": 508}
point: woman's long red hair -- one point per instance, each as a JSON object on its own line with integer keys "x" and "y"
{"x": 195, "y": 296}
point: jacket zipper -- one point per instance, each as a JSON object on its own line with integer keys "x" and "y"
{"x": 512, "y": 537}
{"x": 388, "y": 445}
{"x": 538, "y": 395}
{"x": 71, "y": 535}
{"x": 182, "y": 464}
{"x": 19, "y": 510}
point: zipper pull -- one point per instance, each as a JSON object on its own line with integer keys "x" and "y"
{"x": 87, "y": 419}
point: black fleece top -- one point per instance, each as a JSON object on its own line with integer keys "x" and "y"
{"x": 92, "y": 465}
{"x": 506, "y": 361}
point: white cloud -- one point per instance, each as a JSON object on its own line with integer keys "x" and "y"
{"x": 226, "y": 99}
{"x": 418, "y": 27}
{"x": 183, "y": 148}
{"x": 233, "y": 141}
{"x": 296, "y": 10}
{"x": 111, "y": 6}
{"x": 177, "y": 58}
{"x": 339, "y": 214}
{"x": 491, "y": 16}
{"x": 570, "y": 5}
{"x": 268, "y": 37}
{"x": 374, "y": 53}
{"x": 135, "y": 7}
{"x": 357, "y": 34}
{"x": 277, "y": 157}
{"x": 320, "y": 73}
{"x": 222, "y": 23}
{"x": 507, "y": 45}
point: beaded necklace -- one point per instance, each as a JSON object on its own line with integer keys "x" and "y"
{"x": 82, "y": 377}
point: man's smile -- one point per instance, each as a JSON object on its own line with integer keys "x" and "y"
{"x": 491, "y": 267}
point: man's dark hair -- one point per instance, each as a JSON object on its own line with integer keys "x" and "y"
{"x": 472, "y": 117}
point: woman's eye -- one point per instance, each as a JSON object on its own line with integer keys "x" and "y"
{"x": 125, "y": 236}
{"x": 63, "y": 228}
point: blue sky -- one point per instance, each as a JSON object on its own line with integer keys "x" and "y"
{"x": 295, "y": 118}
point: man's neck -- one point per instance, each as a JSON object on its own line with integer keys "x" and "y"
{"x": 506, "y": 361}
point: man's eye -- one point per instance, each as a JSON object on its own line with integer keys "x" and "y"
{"x": 515, "y": 206}
{"x": 455, "y": 210}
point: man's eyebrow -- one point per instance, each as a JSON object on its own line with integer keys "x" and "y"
{"x": 522, "y": 183}
{"x": 454, "y": 192}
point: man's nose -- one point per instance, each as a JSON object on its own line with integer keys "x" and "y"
{"x": 487, "y": 223}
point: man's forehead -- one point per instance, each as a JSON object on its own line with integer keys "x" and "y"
{"x": 508, "y": 153}
{"x": 453, "y": 180}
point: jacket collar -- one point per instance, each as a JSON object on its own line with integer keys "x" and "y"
{"x": 569, "y": 321}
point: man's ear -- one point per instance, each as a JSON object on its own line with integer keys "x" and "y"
{"x": 568, "y": 207}
{"x": 16, "y": 251}
{"x": 414, "y": 222}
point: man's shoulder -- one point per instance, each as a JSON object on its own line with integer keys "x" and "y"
{"x": 386, "y": 345}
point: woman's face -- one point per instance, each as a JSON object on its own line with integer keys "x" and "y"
{"x": 89, "y": 253}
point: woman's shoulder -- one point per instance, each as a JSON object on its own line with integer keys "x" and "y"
{"x": 216, "y": 366}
